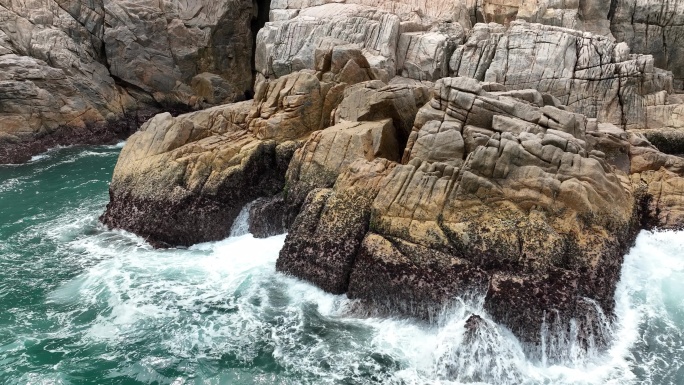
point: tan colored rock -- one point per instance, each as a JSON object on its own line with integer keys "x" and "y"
{"x": 54, "y": 88}
{"x": 426, "y": 55}
{"x": 579, "y": 69}
{"x": 181, "y": 181}
{"x": 370, "y": 101}
{"x": 93, "y": 71}
{"x": 588, "y": 15}
{"x": 496, "y": 194}
{"x": 289, "y": 107}
{"x": 666, "y": 198}
{"x": 330, "y": 152}
{"x": 414, "y": 14}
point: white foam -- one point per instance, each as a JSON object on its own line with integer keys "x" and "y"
{"x": 226, "y": 298}
{"x": 241, "y": 224}
{"x": 36, "y": 158}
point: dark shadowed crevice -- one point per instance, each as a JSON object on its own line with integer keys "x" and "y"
{"x": 262, "y": 9}
{"x": 613, "y": 9}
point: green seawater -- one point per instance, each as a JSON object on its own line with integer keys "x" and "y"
{"x": 81, "y": 304}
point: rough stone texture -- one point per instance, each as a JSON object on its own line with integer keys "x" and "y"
{"x": 89, "y": 71}
{"x": 588, "y": 73}
{"x": 588, "y": 15}
{"x": 666, "y": 198}
{"x": 375, "y": 100}
{"x": 524, "y": 180}
{"x": 267, "y": 217}
{"x": 324, "y": 240}
{"x": 160, "y": 46}
{"x": 501, "y": 193}
{"x": 93, "y": 71}
{"x": 426, "y": 55}
{"x": 654, "y": 27}
{"x": 291, "y": 106}
{"x": 181, "y": 181}
{"x": 288, "y": 46}
{"x": 52, "y": 86}
{"x": 328, "y": 153}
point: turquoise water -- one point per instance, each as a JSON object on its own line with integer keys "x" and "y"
{"x": 80, "y": 304}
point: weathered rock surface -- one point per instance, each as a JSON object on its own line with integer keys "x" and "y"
{"x": 90, "y": 72}
{"x": 327, "y": 234}
{"x": 523, "y": 178}
{"x": 53, "y": 89}
{"x": 181, "y": 181}
{"x": 184, "y": 180}
{"x": 500, "y": 193}
{"x": 160, "y": 46}
{"x": 652, "y": 27}
{"x": 590, "y": 74}
{"x": 526, "y": 203}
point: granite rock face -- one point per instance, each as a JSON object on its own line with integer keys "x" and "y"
{"x": 54, "y": 86}
{"x": 160, "y": 46}
{"x": 652, "y": 27}
{"x": 183, "y": 180}
{"x": 91, "y": 72}
{"x": 496, "y": 194}
{"x": 419, "y": 151}
{"x": 590, "y": 74}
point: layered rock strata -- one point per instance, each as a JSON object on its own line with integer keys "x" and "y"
{"x": 650, "y": 27}
{"x": 590, "y": 73}
{"x": 499, "y": 193}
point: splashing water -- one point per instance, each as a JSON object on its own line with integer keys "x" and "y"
{"x": 81, "y": 304}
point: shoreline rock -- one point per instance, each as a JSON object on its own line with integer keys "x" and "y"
{"x": 415, "y": 151}
{"x": 91, "y": 72}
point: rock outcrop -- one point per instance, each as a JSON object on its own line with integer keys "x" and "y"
{"x": 90, "y": 72}
{"x": 183, "y": 180}
{"x": 416, "y": 152}
{"x": 496, "y": 194}
{"x": 652, "y": 27}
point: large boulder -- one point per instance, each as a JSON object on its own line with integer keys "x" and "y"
{"x": 184, "y": 180}
{"x": 500, "y": 193}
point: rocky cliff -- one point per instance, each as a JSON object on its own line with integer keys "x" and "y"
{"x": 93, "y": 71}
{"x": 415, "y": 151}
